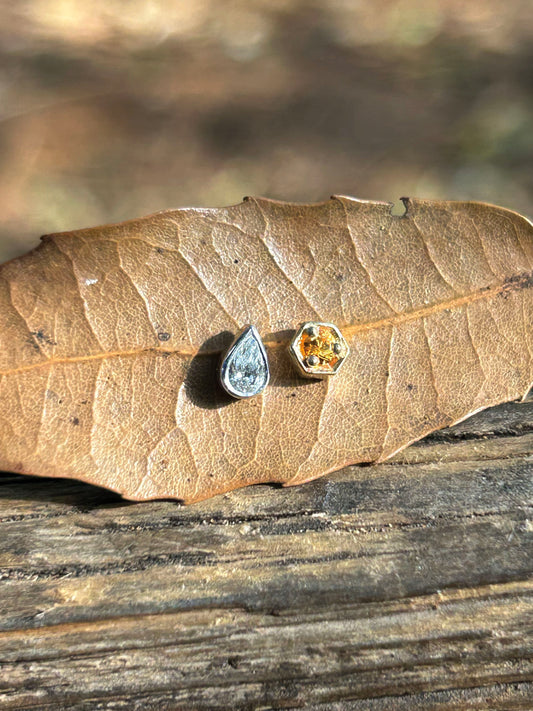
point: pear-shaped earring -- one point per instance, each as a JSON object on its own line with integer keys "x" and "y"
{"x": 244, "y": 368}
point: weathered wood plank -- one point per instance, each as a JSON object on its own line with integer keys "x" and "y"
{"x": 401, "y": 586}
{"x": 444, "y": 640}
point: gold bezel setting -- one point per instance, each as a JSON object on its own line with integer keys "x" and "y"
{"x": 318, "y": 349}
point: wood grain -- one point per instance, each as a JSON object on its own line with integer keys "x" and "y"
{"x": 401, "y": 586}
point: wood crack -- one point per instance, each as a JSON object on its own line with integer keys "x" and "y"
{"x": 204, "y": 558}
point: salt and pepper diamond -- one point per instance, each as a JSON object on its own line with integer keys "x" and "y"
{"x": 244, "y": 370}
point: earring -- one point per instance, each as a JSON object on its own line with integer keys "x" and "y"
{"x": 244, "y": 370}
{"x": 318, "y": 349}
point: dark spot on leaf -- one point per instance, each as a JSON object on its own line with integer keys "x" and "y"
{"x": 235, "y": 261}
{"x": 163, "y": 336}
{"x": 41, "y": 337}
{"x": 410, "y": 387}
{"x": 75, "y": 421}
{"x": 521, "y": 281}
{"x": 160, "y": 250}
{"x": 51, "y": 395}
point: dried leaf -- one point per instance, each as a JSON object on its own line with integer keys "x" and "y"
{"x": 110, "y": 339}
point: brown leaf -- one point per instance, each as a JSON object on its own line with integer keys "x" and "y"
{"x": 110, "y": 340}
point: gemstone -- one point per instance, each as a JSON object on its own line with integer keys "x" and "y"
{"x": 244, "y": 371}
{"x": 318, "y": 349}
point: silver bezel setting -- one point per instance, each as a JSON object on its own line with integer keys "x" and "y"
{"x": 239, "y": 342}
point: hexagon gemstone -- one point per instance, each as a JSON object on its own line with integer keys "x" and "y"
{"x": 318, "y": 349}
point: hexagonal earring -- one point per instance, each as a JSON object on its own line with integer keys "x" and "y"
{"x": 318, "y": 349}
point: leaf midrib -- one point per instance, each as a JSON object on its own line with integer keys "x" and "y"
{"x": 271, "y": 341}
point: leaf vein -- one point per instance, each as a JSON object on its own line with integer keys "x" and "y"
{"x": 272, "y": 340}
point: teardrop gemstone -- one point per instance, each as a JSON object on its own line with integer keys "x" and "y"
{"x": 244, "y": 371}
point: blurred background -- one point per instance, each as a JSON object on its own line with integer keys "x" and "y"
{"x": 112, "y": 109}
